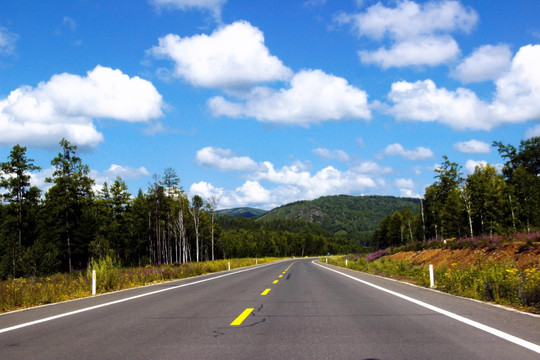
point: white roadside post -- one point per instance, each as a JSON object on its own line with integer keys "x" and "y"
{"x": 346, "y": 263}
{"x": 93, "y": 282}
{"x": 229, "y": 266}
{"x": 431, "y": 277}
{"x": 327, "y": 260}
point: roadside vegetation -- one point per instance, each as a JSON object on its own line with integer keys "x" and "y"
{"x": 110, "y": 276}
{"x": 504, "y": 270}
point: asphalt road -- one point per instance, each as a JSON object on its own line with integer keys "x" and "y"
{"x": 311, "y": 311}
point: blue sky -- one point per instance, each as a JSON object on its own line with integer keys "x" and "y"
{"x": 260, "y": 103}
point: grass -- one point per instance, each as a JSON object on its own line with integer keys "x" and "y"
{"x": 498, "y": 282}
{"x": 27, "y": 292}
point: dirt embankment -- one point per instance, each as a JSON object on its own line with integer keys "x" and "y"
{"x": 506, "y": 252}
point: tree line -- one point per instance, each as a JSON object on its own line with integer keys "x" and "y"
{"x": 62, "y": 229}
{"x": 486, "y": 202}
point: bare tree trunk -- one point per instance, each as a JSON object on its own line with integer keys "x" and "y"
{"x": 68, "y": 239}
{"x": 423, "y": 220}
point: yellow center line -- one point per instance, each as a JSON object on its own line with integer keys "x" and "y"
{"x": 265, "y": 292}
{"x": 280, "y": 276}
{"x": 242, "y": 317}
{"x": 275, "y": 282}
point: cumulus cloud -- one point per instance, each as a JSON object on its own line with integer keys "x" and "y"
{"x": 470, "y": 165}
{"x": 214, "y": 6}
{"x": 430, "y": 51}
{"x": 313, "y": 97}
{"x": 419, "y": 33}
{"x": 268, "y": 186}
{"x": 517, "y": 98}
{"x": 473, "y": 147}
{"x": 406, "y": 187}
{"x": 7, "y": 42}
{"x": 223, "y": 160}
{"x": 232, "y": 57}
{"x": 420, "y": 153}
{"x": 66, "y": 105}
{"x": 326, "y": 154}
{"x": 250, "y": 193}
{"x": 488, "y": 62}
{"x": 326, "y": 181}
{"x": 109, "y": 176}
{"x": 126, "y": 172}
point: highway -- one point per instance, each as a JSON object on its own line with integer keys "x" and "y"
{"x": 293, "y": 309}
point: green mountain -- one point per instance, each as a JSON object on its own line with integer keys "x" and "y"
{"x": 356, "y": 217}
{"x": 245, "y": 212}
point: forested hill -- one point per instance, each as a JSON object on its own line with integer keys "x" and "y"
{"x": 354, "y": 216}
{"x": 246, "y": 212}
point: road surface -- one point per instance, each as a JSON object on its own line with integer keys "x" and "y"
{"x": 294, "y": 309}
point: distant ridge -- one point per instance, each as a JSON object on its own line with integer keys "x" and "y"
{"x": 246, "y": 212}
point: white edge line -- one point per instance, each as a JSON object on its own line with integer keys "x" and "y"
{"x": 518, "y": 341}
{"x": 15, "y": 327}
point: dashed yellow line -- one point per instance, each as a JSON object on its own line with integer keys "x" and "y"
{"x": 275, "y": 282}
{"x": 265, "y": 292}
{"x": 280, "y": 276}
{"x": 242, "y": 317}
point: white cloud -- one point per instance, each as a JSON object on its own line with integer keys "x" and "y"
{"x": 214, "y": 6}
{"x": 406, "y": 187}
{"x": 268, "y": 187}
{"x": 473, "y": 147}
{"x": 251, "y": 193}
{"x": 223, "y": 160}
{"x": 420, "y": 153}
{"x": 37, "y": 179}
{"x": 430, "y": 51}
{"x": 7, "y": 41}
{"x": 532, "y": 132}
{"x": 313, "y": 97}
{"x": 419, "y": 32}
{"x": 517, "y": 98}
{"x": 232, "y": 57}
{"x": 324, "y": 182}
{"x": 423, "y": 101}
{"x": 66, "y": 104}
{"x": 371, "y": 167}
{"x": 486, "y": 63}
{"x": 470, "y": 165}
{"x": 326, "y": 154}
{"x": 126, "y": 172}
{"x": 411, "y": 19}
{"x": 518, "y": 91}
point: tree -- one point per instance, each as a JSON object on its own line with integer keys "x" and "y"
{"x": 442, "y": 200}
{"x": 195, "y": 210}
{"x": 71, "y": 192}
{"x": 486, "y": 189}
{"x": 212, "y": 203}
{"x": 528, "y": 156}
{"x": 17, "y": 182}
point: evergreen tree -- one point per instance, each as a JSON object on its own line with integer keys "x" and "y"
{"x": 20, "y": 196}
{"x": 67, "y": 199}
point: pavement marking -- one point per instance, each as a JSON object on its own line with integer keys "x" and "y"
{"x": 265, "y": 292}
{"x": 242, "y": 317}
{"x": 511, "y": 338}
{"x": 275, "y": 282}
{"x": 280, "y": 276}
{"x": 15, "y": 327}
